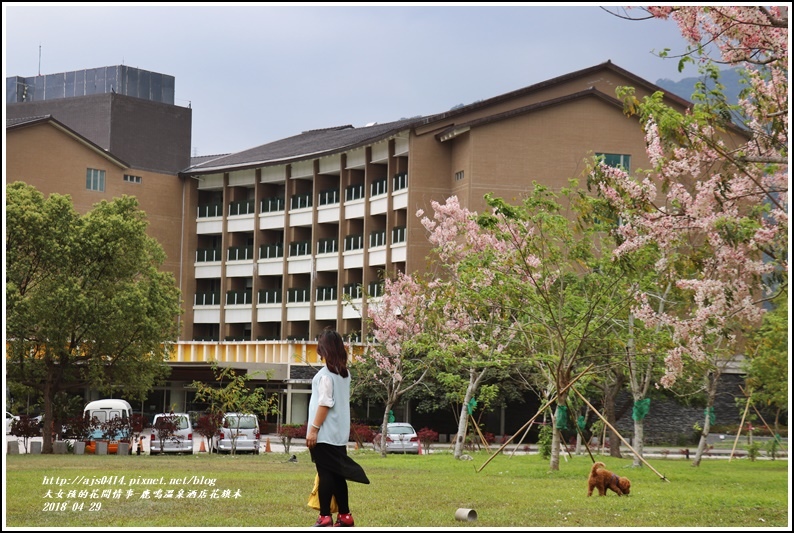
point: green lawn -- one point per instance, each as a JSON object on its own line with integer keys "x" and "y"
{"x": 424, "y": 491}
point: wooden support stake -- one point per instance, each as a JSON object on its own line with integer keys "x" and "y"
{"x": 574, "y": 380}
{"x": 640, "y": 457}
{"x": 738, "y": 433}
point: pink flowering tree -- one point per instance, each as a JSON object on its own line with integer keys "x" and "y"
{"x": 524, "y": 283}
{"x": 469, "y": 333}
{"x": 397, "y": 356}
{"x": 714, "y": 204}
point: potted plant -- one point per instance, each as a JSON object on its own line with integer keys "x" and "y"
{"x": 26, "y": 427}
{"x": 116, "y": 433}
{"x": 79, "y": 428}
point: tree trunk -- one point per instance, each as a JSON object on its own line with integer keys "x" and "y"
{"x": 711, "y": 380}
{"x": 611, "y": 391}
{"x": 639, "y": 442}
{"x": 460, "y": 439}
{"x": 46, "y": 442}
{"x": 384, "y": 427}
{"x": 554, "y": 461}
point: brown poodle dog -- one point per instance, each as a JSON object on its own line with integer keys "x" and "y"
{"x": 602, "y": 479}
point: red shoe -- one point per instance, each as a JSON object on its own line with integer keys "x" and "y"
{"x": 344, "y": 520}
{"x": 324, "y": 521}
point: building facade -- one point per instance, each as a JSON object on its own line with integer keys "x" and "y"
{"x": 272, "y": 244}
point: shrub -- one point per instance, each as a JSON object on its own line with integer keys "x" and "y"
{"x": 754, "y": 450}
{"x": 26, "y": 427}
{"x": 426, "y": 436}
{"x": 772, "y": 447}
{"x": 544, "y": 441}
{"x": 287, "y": 432}
{"x": 80, "y": 427}
{"x": 208, "y": 425}
{"x": 361, "y": 434}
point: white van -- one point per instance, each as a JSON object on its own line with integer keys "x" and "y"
{"x": 171, "y": 432}
{"x": 245, "y": 427}
{"x": 107, "y": 409}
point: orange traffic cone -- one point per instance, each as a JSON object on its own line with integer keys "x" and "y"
{"x": 267, "y": 445}
{"x": 203, "y": 448}
{"x": 356, "y": 445}
{"x": 420, "y": 449}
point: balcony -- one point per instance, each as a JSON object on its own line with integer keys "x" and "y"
{"x": 379, "y": 202}
{"x": 243, "y": 297}
{"x": 269, "y": 297}
{"x": 271, "y": 214}
{"x": 353, "y": 255}
{"x": 241, "y": 216}
{"x": 205, "y": 255}
{"x": 245, "y": 207}
{"x": 240, "y": 253}
{"x": 298, "y": 304}
{"x": 209, "y": 219}
{"x": 210, "y": 211}
{"x": 207, "y": 298}
{"x": 354, "y": 202}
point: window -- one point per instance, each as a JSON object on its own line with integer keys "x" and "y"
{"x": 95, "y": 180}
{"x": 616, "y": 160}
{"x": 132, "y": 179}
{"x": 458, "y": 175}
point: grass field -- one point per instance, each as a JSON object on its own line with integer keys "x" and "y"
{"x": 424, "y": 491}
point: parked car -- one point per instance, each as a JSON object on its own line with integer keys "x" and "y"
{"x": 171, "y": 433}
{"x": 401, "y": 437}
{"x": 246, "y": 428}
{"x": 10, "y": 420}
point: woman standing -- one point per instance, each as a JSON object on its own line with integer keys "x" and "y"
{"x": 328, "y": 431}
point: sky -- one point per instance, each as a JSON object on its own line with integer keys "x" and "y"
{"x": 254, "y": 73}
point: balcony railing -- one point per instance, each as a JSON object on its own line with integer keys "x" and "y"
{"x": 207, "y": 255}
{"x": 354, "y": 242}
{"x": 238, "y": 297}
{"x": 331, "y": 196}
{"x": 245, "y": 207}
{"x": 398, "y": 234}
{"x": 354, "y": 192}
{"x": 327, "y": 246}
{"x": 300, "y": 248}
{"x": 400, "y": 181}
{"x": 210, "y": 210}
{"x": 298, "y": 295}
{"x": 272, "y": 205}
{"x": 300, "y": 201}
{"x": 377, "y": 238}
{"x": 269, "y": 296}
{"x": 375, "y": 289}
{"x": 207, "y": 298}
{"x": 240, "y": 253}
{"x": 326, "y": 294}
{"x": 271, "y": 251}
{"x": 352, "y": 290}
{"x": 379, "y": 187}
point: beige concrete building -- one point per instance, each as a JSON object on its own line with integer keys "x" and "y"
{"x": 266, "y": 243}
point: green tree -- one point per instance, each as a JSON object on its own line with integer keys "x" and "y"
{"x": 235, "y": 396}
{"x": 87, "y": 305}
{"x": 767, "y": 362}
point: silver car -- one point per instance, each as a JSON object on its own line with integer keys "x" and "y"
{"x": 238, "y": 430}
{"x": 401, "y": 437}
{"x": 171, "y": 433}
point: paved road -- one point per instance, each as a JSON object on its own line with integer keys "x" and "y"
{"x": 299, "y": 445}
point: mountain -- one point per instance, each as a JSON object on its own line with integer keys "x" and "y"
{"x": 685, "y": 87}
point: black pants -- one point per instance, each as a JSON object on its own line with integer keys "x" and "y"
{"x": 332, "y": 484}
{"x": 335, "y": 467}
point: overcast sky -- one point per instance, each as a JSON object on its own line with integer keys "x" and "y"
{"x": 258, "y": 72}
